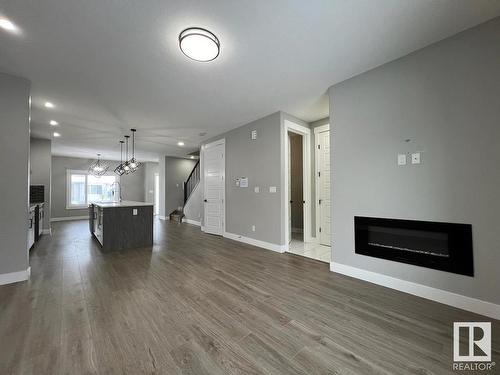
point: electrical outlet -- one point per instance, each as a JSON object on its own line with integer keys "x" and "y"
{"x": 253, "y": 228}
{"x": 256, "y": 189}
{"x": 272, "y": 189}
{"x": 134, "y": 211}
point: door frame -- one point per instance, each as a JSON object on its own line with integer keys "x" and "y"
{"x": 203, "y": 147}
{"x": 318, "y": 130}
{"x": 290, "y": 126}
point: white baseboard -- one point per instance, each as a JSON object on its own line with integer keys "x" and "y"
{"x": 162, "y": 217}
{"x": 189, "y": 221}
{"x": 258, "y": 243}
{"x": 69, "y": 218}
{"x": 448, "y": 298}
{"x": 15, "y": 277}
{"x": 47, "y": 231}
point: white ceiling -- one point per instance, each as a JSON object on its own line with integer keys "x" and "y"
{"x": 112, "y": 65}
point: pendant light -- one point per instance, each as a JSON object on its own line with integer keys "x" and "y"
{"x": 126, "y": 165}
{"x": 119, "y": 169}
{"x": 98, "y": 168}
{"x": 133, "y": 163}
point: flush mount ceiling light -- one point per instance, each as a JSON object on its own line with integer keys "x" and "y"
{"x": 199, "y": 44}
{"x": 49, "y": 105}
{"x": 98, "y": 168}
{"x": 56, "y": 134}
{"x": 180, "y": 143}
{"x": 8, "y": 25}
{"x": 53, "y": 123}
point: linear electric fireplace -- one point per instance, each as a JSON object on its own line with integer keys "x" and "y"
{"x": 441, "y": 246}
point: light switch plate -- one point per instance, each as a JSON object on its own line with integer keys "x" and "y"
{"x": 254, "y": 134}
{"x": 415, "y": 158}
{"x": 401, "y": 159}
{"x": 272, "y": 189}
{"x": 134, "y": 211}
{"x": 256, "y": 189}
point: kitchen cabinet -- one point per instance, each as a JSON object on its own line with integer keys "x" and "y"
{"x": 31, "y": 227}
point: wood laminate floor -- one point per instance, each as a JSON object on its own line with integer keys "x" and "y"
{"x": 200, "y": 304}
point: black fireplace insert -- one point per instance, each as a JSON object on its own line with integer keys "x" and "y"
{"x": 437, "y": 245}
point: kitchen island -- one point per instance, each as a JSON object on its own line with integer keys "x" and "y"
{"x": 121, "y": 225}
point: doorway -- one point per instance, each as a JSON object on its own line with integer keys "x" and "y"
{"x": 157, "y": 194}
{"x": 323, "y": 184}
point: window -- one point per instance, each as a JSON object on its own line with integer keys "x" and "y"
{"x": 83, "y": 188}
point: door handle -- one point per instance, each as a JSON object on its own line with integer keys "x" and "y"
{"x": 204, "y": 200}
{"x": 291, "y": 201}
{"x": 320, "y": 201}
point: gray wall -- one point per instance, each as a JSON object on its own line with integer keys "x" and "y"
{"x": 177, "y": 171}
{"x": 150, "y": 169}
{"x": 132, "y": 185}
{"x": 259, "y": 160}
{"x": 40, "y": 169}
{"x": 14, "y": 149}
{"x": 445, "y": 99}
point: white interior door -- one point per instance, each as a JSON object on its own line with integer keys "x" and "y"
{"x": 214, "y": 189}
{"x": 324, "y": 184}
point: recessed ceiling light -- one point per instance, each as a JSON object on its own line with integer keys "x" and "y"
{"x": 53, "y": 123}
{"x": 191, "y": 157}
{"x": 180, "y": 143}
{"x": 199, "y": 44}
{"x": 8, "y": 25}
{"x": 49, "y": 105}
{"x": 56, "y": 134}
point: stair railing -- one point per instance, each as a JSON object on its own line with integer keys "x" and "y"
{"x": 192, "y": 181}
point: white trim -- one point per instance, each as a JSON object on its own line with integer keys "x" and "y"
{"x": 47, "y": 231}
{"x": 69, "y": 172}
{"x": 306, "y": 172}
{"x": 456, "y": 300}
{"x": 322, "y": 128}
{"x": 189, "y": 221}
{"x": 15, "y": 277}
{"x": 317, "y": 131}
{"x": 254, "y": 242}
{"x": 203, "y": 147}
{"x": 67, "y": 218}
{"x": 162, "y": 217}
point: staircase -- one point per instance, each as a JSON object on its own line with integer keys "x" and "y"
{"x": 189, "y": 186}
{"x": 176, "y": 215}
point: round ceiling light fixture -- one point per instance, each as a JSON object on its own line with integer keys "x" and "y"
{"x": 199, "y": 44}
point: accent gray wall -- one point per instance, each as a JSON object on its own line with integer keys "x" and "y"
{"x": 40, "y": 169}
{"x": 14, "y": 187}
{"x": 177, "y": 171}
{"x": 259, "y": 160}
{"x": 445, "y": 99}
{"x": 132, "y": 184}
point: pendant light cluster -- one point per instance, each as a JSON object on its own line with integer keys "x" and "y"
{"x": 129, "y": 166}
{"x": 98, "y": 168}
